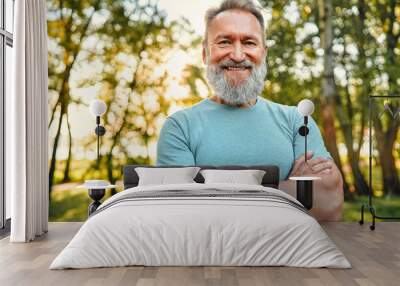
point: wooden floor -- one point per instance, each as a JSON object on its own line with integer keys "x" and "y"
{"x": 374, "y": 255}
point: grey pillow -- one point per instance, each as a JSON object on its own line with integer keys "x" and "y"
{"x": 248, "y": 177}
{"x": 165, "y": 176}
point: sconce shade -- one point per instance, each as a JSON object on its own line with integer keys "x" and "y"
{"x": 97, "y": 108}
{"x": 305, "y": 107}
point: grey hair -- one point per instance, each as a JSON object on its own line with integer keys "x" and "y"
{"x": 244, "y": 5}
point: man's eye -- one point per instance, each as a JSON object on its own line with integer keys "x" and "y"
{"x": 224, "y": 42}
{"x": 250, "y": 43}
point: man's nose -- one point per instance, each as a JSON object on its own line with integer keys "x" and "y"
{"x": 237, "y": 53}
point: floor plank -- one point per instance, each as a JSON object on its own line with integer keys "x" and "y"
{"x": 375, "y": 257}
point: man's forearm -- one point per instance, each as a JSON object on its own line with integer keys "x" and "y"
{"x": 327, "y": 195}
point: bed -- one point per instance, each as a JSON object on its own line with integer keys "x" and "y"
{"x": 201, "y": 224}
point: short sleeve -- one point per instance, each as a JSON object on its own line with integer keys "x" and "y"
{"x": 173, "y": 147}
{"x": 315, "y": 143}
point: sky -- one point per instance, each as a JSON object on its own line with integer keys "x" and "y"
{"x": 192, "y": 10}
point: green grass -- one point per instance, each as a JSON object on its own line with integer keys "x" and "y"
{"x": 387, "y": 207}
{"x": 71, "y": 205}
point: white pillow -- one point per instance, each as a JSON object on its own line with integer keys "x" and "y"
{"x": 249, "y": 177}
{"x": 164, "y": 176}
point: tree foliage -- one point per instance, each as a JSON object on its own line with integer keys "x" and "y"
{"x": 117, "y": 48}
{"x": 365, "y": 54}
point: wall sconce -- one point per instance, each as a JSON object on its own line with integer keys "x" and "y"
{"x": 97, "y": 109}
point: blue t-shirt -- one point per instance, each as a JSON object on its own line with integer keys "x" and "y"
{"x": 210, "y": 133}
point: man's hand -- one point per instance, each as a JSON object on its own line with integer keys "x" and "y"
{"x": 316, "y": 166}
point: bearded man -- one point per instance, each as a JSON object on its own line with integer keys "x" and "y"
{"x": 238, "y": 127}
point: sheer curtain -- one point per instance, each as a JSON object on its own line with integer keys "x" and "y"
{"x": 27, "y": 123}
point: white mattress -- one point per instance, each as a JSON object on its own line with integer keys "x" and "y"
{"x": 200, "y": 231}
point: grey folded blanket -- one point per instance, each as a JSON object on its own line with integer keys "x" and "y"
{"x": 206, "y": 194}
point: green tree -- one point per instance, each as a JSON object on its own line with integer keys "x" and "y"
{"x": 385, "y": 16}
{"x": 125, "y": 43}
{"x": 338, "y": 53}
{"x": 353, "y": 101}
{"x": 69, "y": 24}
{"x": 300, "y": 61}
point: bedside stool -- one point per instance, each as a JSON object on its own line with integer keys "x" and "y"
{"x": 304, "y": 190}
{"x": 96, "y": 193}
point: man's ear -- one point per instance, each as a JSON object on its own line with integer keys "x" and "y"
{"x": 203, "y": 54}
{"x": 265, "y": 50}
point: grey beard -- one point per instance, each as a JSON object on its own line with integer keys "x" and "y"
{"x": 243, "y": 93}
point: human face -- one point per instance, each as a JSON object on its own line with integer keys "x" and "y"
{"x": 235, "y": 35}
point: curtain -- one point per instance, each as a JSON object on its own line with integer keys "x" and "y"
{"x": 27, "y": 120}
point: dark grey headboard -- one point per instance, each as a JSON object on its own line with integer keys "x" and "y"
{"x": 270, "y": 179}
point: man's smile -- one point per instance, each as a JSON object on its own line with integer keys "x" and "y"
{"x": 237, "y": 74}
{"x": 236, "y": 68}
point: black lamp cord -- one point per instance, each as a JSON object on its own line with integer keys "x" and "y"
{"x": 100, "y": 131}
{"x": 98, "y": 141}
{"x": 303, "y": 131}
{"x": 305, "y": 137}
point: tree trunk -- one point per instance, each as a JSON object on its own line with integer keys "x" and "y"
{"x": 328, "y": 86}
{"x": 385, "y": 138}
{"x": 385, "y": 142}
{"x": 54, "y": 150}
{"x": 360, "y": 183}
{"x": 353, "y": 156}
{"x": 69, "y": 158}
{"x": 64, "y": 99}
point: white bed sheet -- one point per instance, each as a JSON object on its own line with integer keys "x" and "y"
{"x": 200, "y": 231}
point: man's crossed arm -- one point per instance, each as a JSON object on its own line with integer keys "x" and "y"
{"x": 328, "y": 192}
